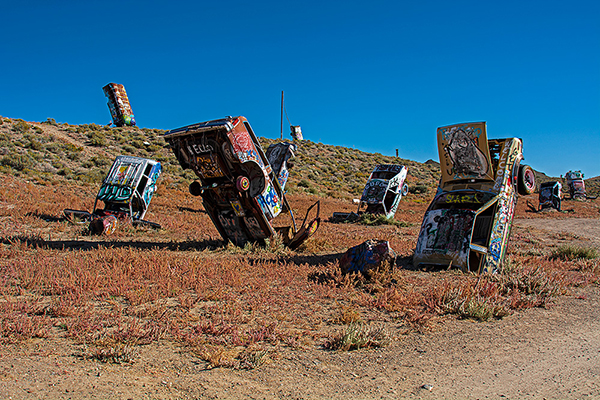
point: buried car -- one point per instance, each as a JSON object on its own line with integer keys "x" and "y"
{"x": 549, "y": 196}
{"x": 576, "y": 185}
{"x": 126, "y": 193}
{"x": 384, "y": 189}
{"x": 241, "y": 187}
{"x": 468, "y": 223}
{"x": 382, "y": 193}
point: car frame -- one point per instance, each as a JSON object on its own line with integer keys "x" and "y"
{"x": 126, "y": 192}
{"x": 241, "y": 188}
{"x": 468, "y": 222}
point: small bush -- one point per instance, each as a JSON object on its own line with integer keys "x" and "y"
{"x": 17, "y": 162}
{"x": 21, "y": 127}
{"x": 359, "y": 336}
{"x": 569, "y": 253}
{"x": 416, "y": 189}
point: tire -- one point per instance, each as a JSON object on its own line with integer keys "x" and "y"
{"x": 404, "y": 189}
{"x": 195, "y": 188}
{"x": 526, "y": 181}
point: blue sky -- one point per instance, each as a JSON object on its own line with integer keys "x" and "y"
{"x": 377, "y": 75}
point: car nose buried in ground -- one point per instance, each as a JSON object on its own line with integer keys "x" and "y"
{"x": 468, "y": 223}
{"x": 126, "y": 193}
{"x": 241, "y": 187}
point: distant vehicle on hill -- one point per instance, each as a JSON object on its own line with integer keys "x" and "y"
{"x": 468, "y": 223}
{"x": 241, "y": 186}
{"x": 576, "y": 185}
{"x": 118, "y": 104}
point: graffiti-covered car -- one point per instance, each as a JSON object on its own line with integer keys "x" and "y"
{"x": 126, "y": 193}
{"x": 549, "y": 196}
{"x": 468, "y": 223}
{"x": 384, "y": 189}
{"x": 118, "y": 104}
{"x": 576, "y": 185}
{"x": 381, "y": 195}
{"x": 241, "y": 187}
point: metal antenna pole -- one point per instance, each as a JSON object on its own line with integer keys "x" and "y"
{"x": 281, "y": 132}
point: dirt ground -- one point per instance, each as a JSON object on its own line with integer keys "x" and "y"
{"x": 550, "y": 353}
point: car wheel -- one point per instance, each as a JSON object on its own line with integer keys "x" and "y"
{"x": 195, "y": 188}
{"x": 404, "y": 189}
{"x": 526, "y": 183}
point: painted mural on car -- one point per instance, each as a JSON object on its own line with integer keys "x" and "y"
{"x": 468, "y": 223}
{"x": 241, "y": 186}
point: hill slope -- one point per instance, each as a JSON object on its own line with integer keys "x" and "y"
{"x": 48, "y": 151}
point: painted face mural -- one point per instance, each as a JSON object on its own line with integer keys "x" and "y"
{"x": 467, "y": 158}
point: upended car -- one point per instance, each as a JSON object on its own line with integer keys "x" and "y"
{"x": 126, "y": 192}
{"x": 241, "y": 186}
{"x": 382, "y": 193}
{"x": 384, "y": 189}
{"x": 576, "y": 185}
{"x": 550, "y": 196}
{"x": 468, "y": 223}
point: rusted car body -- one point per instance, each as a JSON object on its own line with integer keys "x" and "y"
{"x": 126, "y": 193}
{"x": 468, "y": 223}
{"x": 241, "y": 187}
{"x": 576, "y": 185}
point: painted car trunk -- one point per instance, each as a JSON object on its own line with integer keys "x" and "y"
{"x": 469, "y": 221}
{"x": 118, "y": 104}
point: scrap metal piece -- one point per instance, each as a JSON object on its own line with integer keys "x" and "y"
{"x": 367, "y": 257}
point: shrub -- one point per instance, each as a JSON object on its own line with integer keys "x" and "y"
{"x": 416, "y": 189}
{"x": 358, "y": 336}
{"x": 50, "y": 121}
{"x": 21, "y": 127}
{"x": 18, "y": 162}
{"x": 569, "y": 252}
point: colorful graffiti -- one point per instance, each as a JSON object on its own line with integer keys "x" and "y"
{"x": 114, "y": 193}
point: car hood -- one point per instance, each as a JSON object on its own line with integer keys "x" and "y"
{"x": 464, "y": 153}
